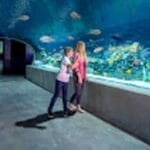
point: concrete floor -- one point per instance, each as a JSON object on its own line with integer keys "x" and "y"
{"x": 24, "y": 124}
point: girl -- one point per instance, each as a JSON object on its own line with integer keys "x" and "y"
{"x": 62, "y": 80}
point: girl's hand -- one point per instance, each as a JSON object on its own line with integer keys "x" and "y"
{"x": 69, "y": 66}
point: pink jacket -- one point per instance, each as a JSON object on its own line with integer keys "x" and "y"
{"x": 81, "y": 65}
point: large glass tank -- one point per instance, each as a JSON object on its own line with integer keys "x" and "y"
{"x": 116, "y": 33}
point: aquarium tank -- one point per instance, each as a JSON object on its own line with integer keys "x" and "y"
{"x": 116, "y": 33}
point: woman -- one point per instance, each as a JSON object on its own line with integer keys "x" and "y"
{"x": 79, "y": 75}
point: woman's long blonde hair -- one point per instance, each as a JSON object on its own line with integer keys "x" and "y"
{"x": 81, "y": 49}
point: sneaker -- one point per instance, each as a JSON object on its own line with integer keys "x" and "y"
{"x": 79, "y": 109}
{"x": 50, "y": 115}
{"x": 72, "y": 107}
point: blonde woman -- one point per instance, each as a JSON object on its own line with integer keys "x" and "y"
{"x": 79, "y": 75}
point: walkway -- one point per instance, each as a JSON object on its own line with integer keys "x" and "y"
{"x": 24, "y": 124}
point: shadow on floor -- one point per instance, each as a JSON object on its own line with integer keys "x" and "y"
{"x": 36, "y": 121}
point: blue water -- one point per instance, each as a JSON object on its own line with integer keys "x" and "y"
{"x": 120, "y": 63}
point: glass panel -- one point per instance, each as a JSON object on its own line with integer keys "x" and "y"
{"x": 116, "y": 33}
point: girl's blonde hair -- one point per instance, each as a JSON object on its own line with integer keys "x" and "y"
{"x": 80, "y": 48}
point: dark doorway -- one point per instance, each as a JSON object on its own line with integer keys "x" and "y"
{"x": 18, "y": 57}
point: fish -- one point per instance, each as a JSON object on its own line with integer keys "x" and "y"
{"x": 70, "y": 37}
{"x": 136, "y": 62}
{"x": 23, "y": 18}
{"x": 42, "y": 48}
{"x": 75, "y": 15}
{"x": 92, "y": 59}
{"x": 98, "y": 49}
{"x": 90, "y": 40}
{"x": 16, "y": 19}
{"x": 95, "y": 32}
{"x": 117, "y": 37}
{"x": 129, "y": 71}
{"x": 46, "y": 39}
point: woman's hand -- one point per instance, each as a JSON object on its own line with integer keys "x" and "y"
{"x": 80, "y": 80}
{"x": 74, "y": 65}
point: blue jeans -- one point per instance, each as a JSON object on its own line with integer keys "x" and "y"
{"x": 59, "y": 86}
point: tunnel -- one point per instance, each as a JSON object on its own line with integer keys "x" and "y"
{"x": 41, "y": 60}
{"x": 15, "y": 55}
